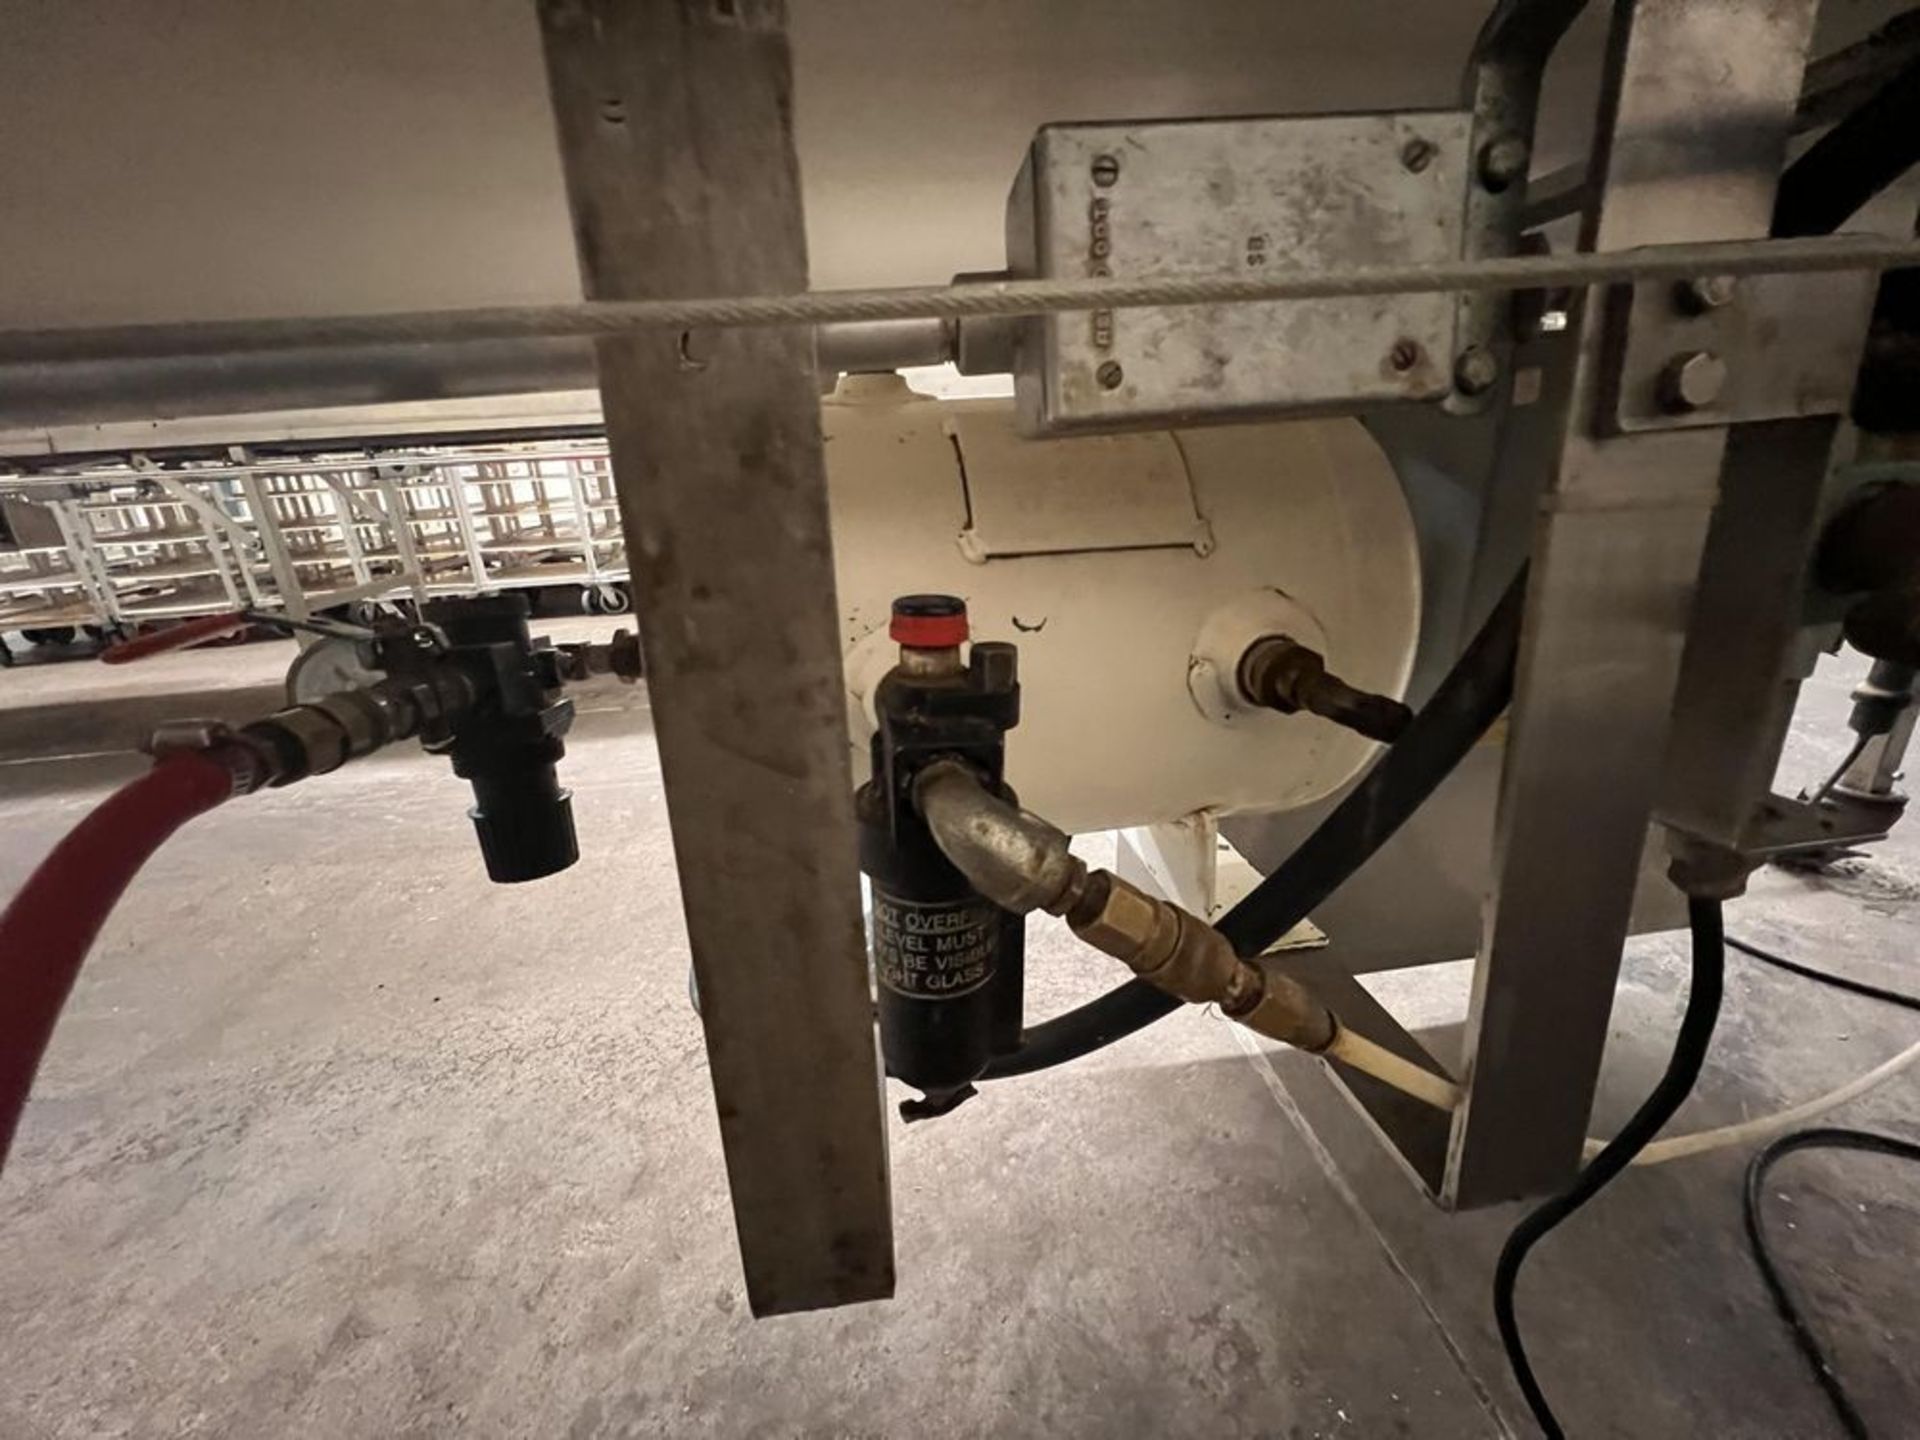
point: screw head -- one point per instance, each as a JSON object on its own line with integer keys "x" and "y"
{"x": 1106, "y": 170}
{"x": 1110, "y": 375}
{"x": 1475, "y": 370}
{"x": 1692, "y": 380}
{"x": 1417, "y": 154}
{"x": 1404, "y": 355}
{"x": 1503, "y": 160}
{"x": 1705, "y": 292}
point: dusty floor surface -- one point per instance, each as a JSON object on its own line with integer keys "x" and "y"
{"x": 337, "y": 1139}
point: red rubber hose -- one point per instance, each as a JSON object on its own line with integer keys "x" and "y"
{"x": 50, "y": 925}
{"x": 175, "y": 637}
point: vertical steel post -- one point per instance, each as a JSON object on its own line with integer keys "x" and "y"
{"x": 675, "y": 121}
{"x": 1694, "y": 123}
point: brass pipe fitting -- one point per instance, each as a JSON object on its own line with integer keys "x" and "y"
{"x": 1021, "y": 863}
{"x": 318, "y": 738}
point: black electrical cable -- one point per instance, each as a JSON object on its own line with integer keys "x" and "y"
{"x": 1823, "y": 1138}
{"x": 1825, "y": 977}
{"x": 1854, "y": 752}
{"x": 1689, "y": 1051}
{"x": 1467, "y": 702}
{"x": 1854, "y": 161}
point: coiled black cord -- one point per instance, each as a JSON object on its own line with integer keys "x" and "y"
{"x": 1824, "y": 1138}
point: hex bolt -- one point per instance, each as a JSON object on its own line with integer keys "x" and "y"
{"x": 1106, "y": 170}
{"x": 1417, "y": 154}
{"x": 1109, "y": 374}
{"x": 1404, "y": 355}
{"x": 1691, "y": 381}
{"x": 1704, "y": 293}
{"x": 1475, "y": 370}
{"x": 1503, "y": 160}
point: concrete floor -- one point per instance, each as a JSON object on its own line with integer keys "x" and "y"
{"x": 337, "y": 1139}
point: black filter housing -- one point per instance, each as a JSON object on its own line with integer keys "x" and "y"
{"x": 949, "y": 964}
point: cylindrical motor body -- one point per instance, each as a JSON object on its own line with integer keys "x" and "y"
{"x": 948, "y": 962}
{"x": 1133, "y": 570}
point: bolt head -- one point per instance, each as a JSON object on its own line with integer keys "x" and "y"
{"x": 1706, "y": 292}
{"x": 1476, "y": 370}
{"x": 1417, "y": 154}
{"x": 1692, "y": 381}
{"x": 1110, "y": 375}
{"x": 1503, "y": 160}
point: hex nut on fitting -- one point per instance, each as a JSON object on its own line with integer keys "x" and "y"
{"x": 1122, "y": 921}
{"x": 1285, "y": 1011}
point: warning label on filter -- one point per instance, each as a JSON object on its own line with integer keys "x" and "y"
{"x": 933, "y": 951}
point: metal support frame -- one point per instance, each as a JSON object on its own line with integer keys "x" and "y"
{"x": 718, "y": 465}
{"x": 583, "y": 520}
{"x": 86, "y": 559}
{"x": 1502, "y": 92}
{"x": 461, "y": 504}
{"x": 286, "y": 579}
{"x": 395, "y": 504}
{"x": 212, "y": 518}
{"x": 344, "y": 511}
{"x": 1620, "y": 525}
{"x": 1617, "y": 546}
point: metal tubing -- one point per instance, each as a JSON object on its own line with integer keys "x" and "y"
{"x": 1015, "y": 859}
{"x": 605, "y": 318}
{"x": 862, "y": 346}
{"x": 68, "y": 393}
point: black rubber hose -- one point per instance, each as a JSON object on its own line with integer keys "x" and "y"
{"x": 1783, "y": 1301}
{"x": 1852, "y": 162}
{"x": 1825, "y": 977}
{"x": 1689, "y": 1051}
{"x": 1469, "y": 700}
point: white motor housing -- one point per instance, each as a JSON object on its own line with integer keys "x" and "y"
{"x": 1132, "y": 571}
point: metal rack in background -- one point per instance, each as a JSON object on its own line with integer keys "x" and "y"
{"x": 118, "y": 545}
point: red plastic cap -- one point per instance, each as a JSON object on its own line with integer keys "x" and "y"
{"x": 929, "y": 622}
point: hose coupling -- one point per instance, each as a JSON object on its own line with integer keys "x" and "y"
{"x": 1281, "y": 674}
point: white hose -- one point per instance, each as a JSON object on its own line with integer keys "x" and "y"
{"x": 1679, "y": 1147}
{"x": 1362, "y": 1054}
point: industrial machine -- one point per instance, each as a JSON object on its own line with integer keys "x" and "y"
{"x": 1335, "y": 487}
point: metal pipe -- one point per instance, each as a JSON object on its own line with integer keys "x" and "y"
{"x": 1021, "y": 863}
{"x": 1013, "y": 857}
{"x": 1011, "y": 297}
{"x": 865, "y": 346}
{"x": 99, "y": 391}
